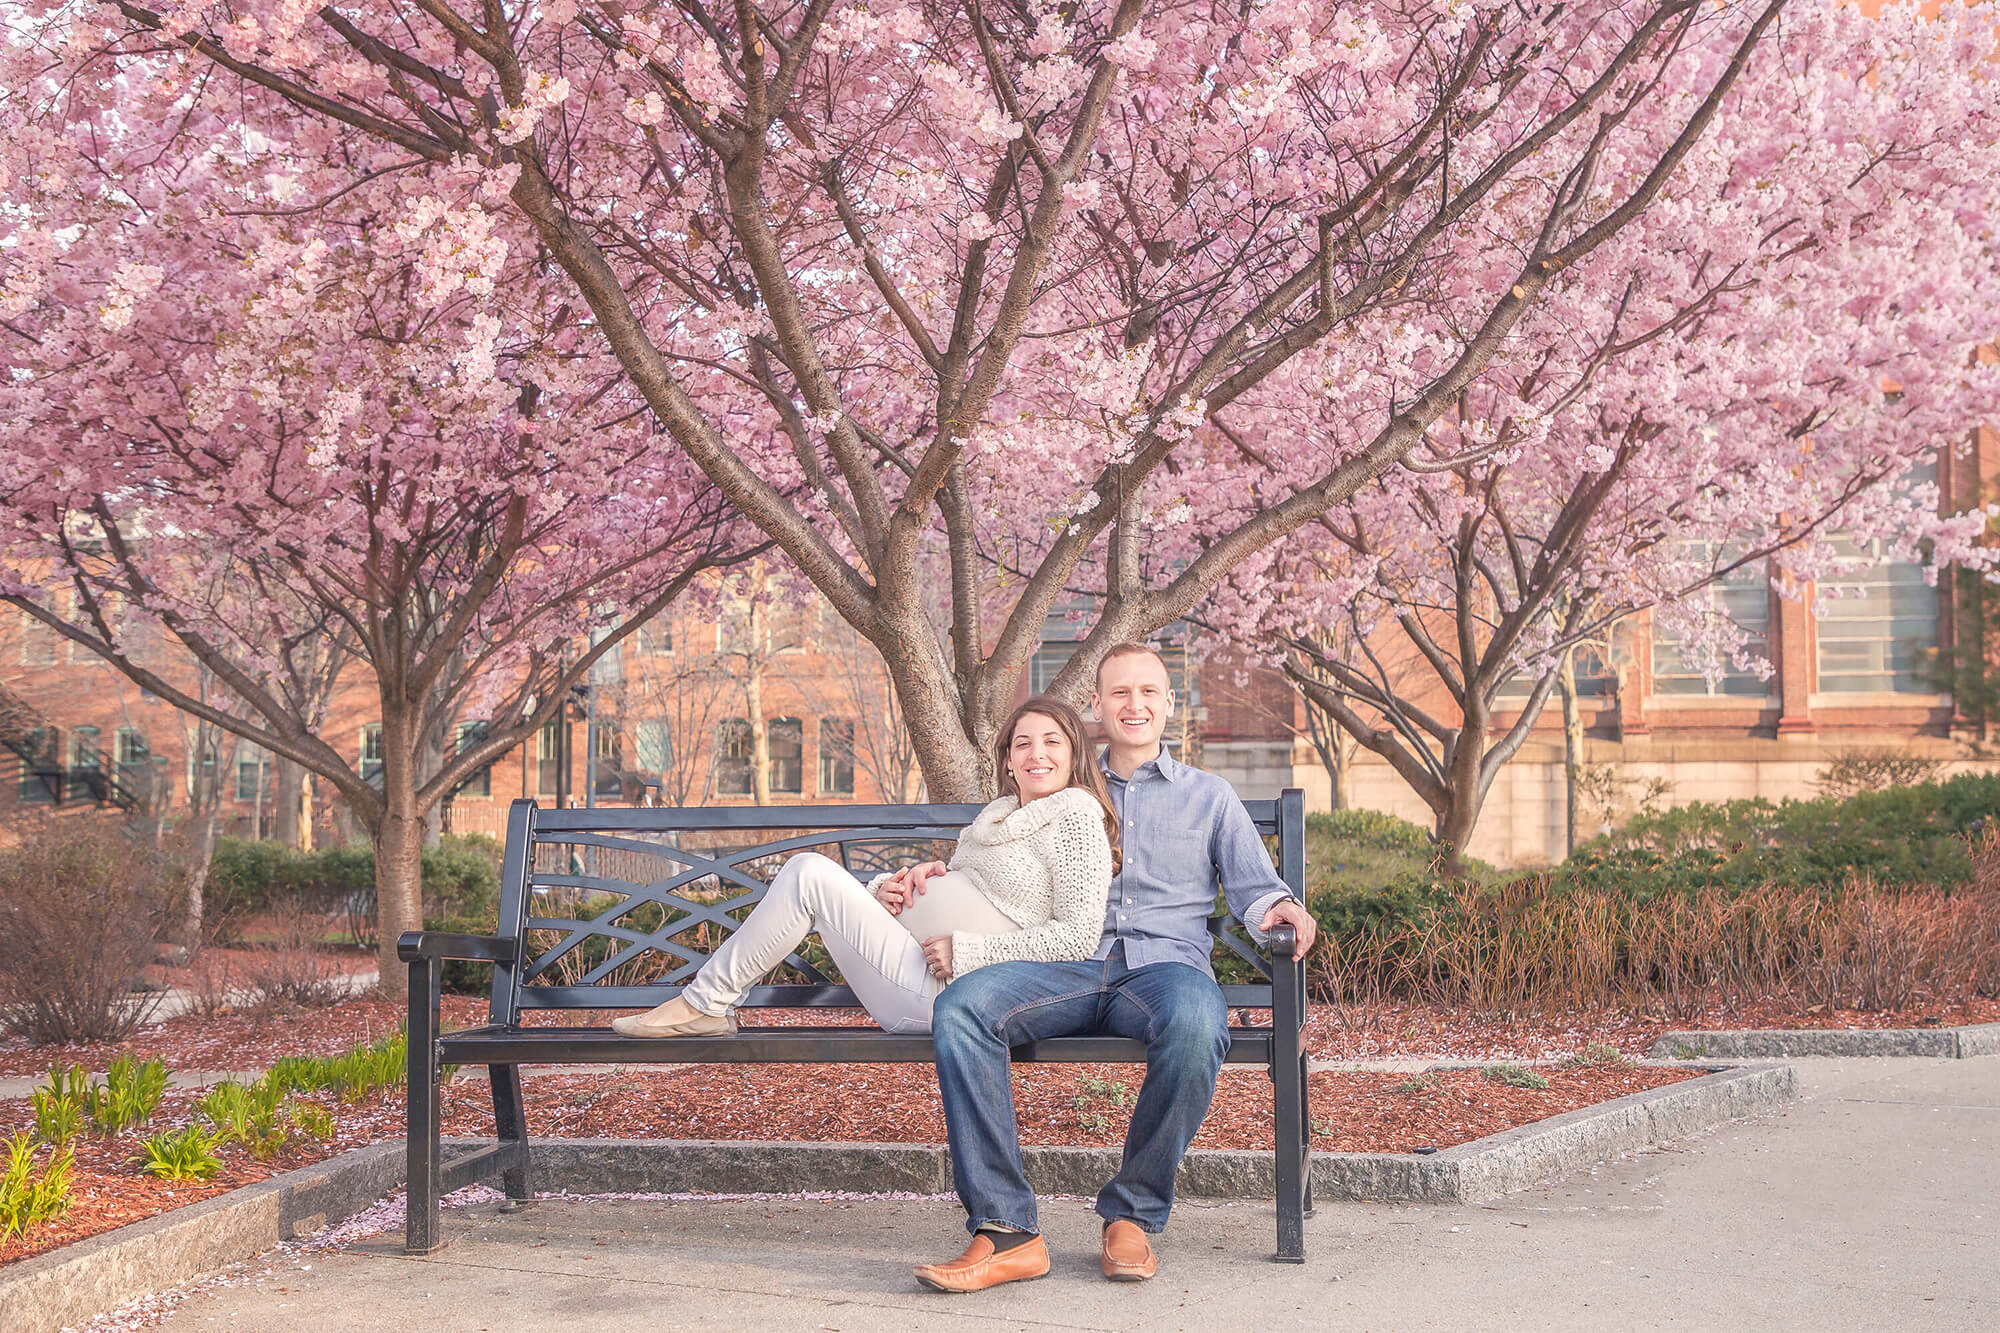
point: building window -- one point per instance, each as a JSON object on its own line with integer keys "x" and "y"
{"x": 788, "y": 755}
{"x": 654, "y": 638}
{"x": 1743, "y": 596}
{"x": 653, "y": 742}
{"x": 607, "y": 767}
{"x": 253, "y": 766}
{"x": 1874, "y": 622}
{"x": 134, "y": 759}
{"x": 480, "y": 782}
{"x": 732, "y": 758}
{"x": 1594, "y": 677}
{"x": 41, "y": 766}
{"x": 836, "y": 756}
{"x": 1049, "y": 660}
{"x": 371, "y": 752}
{"x": 548, "y": 757}
{"x": 86, "y": 763}
{"x": 38, "y": 642}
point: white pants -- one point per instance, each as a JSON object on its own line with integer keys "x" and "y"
{"x": 880, "y": 954}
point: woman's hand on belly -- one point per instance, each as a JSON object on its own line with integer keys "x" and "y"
{"x": 902, "y": 888}
{"x": 937, "y": 956}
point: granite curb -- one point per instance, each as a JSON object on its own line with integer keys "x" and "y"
{"x": 71, "y": 1285}
{"x": 77, "y": 1282}
{"x": 1961, "y": 1043}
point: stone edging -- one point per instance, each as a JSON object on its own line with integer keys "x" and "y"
{"x": 71, "y": 1285}
{"x": 74, "y": 1284}
{"x": 1960, "y": 1043}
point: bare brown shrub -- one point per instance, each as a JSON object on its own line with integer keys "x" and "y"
{"x": 82, "y": 904}
{"x": 292, "y": 967}
{"x": 1530, "y": 947}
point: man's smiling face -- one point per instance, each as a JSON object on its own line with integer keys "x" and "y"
{"x": 1134, "y": 699}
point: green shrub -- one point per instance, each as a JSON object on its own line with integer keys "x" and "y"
{"x": 1901, "y": 836}
{"x": 130, "y": 1094}
{"x": 1599, "y": 1055}
{"x": 1516, "y": 1076}
{"x": 62, "y": 1103}
{"x": 247, "y": 1114}
{"x": 28, "y": 1197}
{"x": 461, "y": 889}
{"x": 180, "y": 1154}
{"x": 383, "y": 1063}
{"x": 312, "y": 1119}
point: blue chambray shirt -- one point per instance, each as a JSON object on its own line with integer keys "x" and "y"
{"x": 1183, "y": 832}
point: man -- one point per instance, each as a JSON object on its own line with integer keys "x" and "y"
{"x": 1184, "y": 834}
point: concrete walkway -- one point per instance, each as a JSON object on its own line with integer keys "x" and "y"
{"x": 1870, "y": 1203}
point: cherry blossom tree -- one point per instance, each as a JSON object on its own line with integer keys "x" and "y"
{"x": 1760, "y": 363}
{"x": 291, "y": 445}
{"x": 950, "y": 292}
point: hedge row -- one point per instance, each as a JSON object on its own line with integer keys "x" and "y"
{"x": 461, "y": 887}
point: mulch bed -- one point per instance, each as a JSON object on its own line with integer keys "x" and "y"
{"x": 253, "y": 1040}
{"x": 1076, "y": 1105}
{"x": 1070, "y": 1104}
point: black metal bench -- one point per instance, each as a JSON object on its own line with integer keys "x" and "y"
{"x": 614, "y": 909}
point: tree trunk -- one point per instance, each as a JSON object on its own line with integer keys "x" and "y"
{"x": 287, "y": 795}
{"x": 1572, "y": 746}
{"x": 200, "y": 854}
{"x": 398, "y": 836}
{"x": 1462, "y": 796}
{"x": 953, "y": 752}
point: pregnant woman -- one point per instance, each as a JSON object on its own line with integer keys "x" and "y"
{"x": 1027, "y": 881}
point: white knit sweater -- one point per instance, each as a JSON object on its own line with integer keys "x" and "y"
{"x": 1047, "y": 866}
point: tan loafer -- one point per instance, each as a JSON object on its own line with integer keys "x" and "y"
{"x": 675, "y": 1018}
{"x": 1128, "y": 1256}
{"x": 981, "y": 1266}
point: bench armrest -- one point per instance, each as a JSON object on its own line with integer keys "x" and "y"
{"x": 1283, "y": 939}
{"x": 415, "y": 945}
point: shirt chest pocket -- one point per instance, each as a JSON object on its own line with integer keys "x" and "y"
{"x": 1171, "y": 853}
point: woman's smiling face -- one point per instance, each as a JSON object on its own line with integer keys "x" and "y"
{"x": 1039, "y": 756}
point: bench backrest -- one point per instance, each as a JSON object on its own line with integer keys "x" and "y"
{"x": 614, "y": 905}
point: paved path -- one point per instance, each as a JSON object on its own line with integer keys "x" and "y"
{"x": 1870, "y": 1203}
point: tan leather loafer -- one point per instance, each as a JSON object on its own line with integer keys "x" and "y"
{"x": 1128, "y": 1255}
{"x": 981, "y": 1266}
{"x": 675, "y": 1018}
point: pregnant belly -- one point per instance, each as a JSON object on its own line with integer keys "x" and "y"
{"x": 952, "y": 902}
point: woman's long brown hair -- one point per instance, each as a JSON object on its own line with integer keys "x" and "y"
{"x": 1083, "y": 770}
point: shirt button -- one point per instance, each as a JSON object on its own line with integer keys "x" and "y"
{"x": 1128, "y": 903}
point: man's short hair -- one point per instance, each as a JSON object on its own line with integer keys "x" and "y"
{"x": 1128, "y": 649}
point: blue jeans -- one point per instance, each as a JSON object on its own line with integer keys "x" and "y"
{"x": 1175, "y": 1009}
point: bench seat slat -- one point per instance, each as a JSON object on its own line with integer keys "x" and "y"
{"x": 756, "y": 1045}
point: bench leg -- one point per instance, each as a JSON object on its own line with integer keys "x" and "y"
{"x": 510, "y": 1121}
{"x": 1288, "y": 1077}
{"x": 420, "y": 1226}
{"x": 1289, "y": 1096}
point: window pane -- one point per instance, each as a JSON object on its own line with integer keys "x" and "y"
{"x": 836, "y": 756}
{"x": 41, "y": 767}
{"x": 733, "y": 776}
{"x": 607, "y": 766}
{"x": 1743, "y": 596}
{"x": 788, "y": 754}
{"x": 481, "y": 782}
{"x": 251, "y": 766}
{"x": 653, "y": 740}
{"x": 371, "y": 752}
{"x": 548, "y": 748}
{"x": 38, "y": 642}
{"x": 1875, "y": 624}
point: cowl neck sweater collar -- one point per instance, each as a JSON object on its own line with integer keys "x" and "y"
{"x": 1007, "y": 820}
